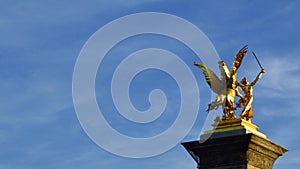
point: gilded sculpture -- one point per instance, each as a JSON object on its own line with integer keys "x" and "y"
{"x": 227, "y": 87}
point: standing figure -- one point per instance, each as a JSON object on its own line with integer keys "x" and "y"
{"x": 247, "y": 88}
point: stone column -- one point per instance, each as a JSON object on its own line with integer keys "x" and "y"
{"x": 234, "y": 144}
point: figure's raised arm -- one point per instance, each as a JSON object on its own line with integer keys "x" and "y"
{"x": 258, "y": 77}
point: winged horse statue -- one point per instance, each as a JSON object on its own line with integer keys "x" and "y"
{"x": 226, "y": 86}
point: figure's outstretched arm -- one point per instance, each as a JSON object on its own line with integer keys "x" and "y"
{"x": 258, "y": 77}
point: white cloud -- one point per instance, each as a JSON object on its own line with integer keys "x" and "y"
{"x": 282, "y": 74}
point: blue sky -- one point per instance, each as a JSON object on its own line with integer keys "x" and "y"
{"x": 41, "y": 40}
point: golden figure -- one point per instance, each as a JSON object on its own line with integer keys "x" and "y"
{"x": 247, "y": 88}
{"x": 226, "y": 87}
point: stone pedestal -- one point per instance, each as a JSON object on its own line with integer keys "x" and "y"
{"x": 234, "y": 144}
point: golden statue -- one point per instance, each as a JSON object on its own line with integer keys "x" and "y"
{"x": 226, "y": 88}
{"x": 247, "y": 88}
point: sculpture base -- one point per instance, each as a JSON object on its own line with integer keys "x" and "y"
{"x": 233, "y": 126}
{"x": 234, "y": 144}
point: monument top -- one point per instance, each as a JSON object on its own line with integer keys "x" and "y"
{"x": 233, "y": 142}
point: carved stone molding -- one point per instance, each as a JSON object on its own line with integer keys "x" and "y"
{"x": 259, "y": 160}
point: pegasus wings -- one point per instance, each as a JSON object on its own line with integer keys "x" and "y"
{"x": 238, "y": 59}
{"x": 211, "y": 78}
